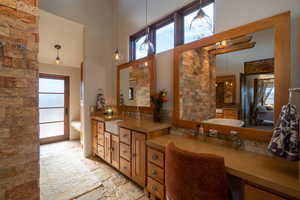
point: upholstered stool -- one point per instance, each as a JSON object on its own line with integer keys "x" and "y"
{"x": 192, "y": 176}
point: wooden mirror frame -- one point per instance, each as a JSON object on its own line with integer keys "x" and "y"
{"x": 281, "y": 25}
{"x": 152, "y": 71}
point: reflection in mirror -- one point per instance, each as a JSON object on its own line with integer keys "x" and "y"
{"x": 232, "y": 79}
{"x": 135, "y": 86}
{"x": 249, "y": 61}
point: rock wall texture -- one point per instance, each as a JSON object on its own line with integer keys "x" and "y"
{"x": 197, "y": 92}
{"x": 140, "y": 78}
{"x": 19, "y": 133}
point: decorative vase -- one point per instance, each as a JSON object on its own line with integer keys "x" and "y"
{"x": 157, "y": 113}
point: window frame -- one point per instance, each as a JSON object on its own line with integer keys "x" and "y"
{"x": 177, "y": 17}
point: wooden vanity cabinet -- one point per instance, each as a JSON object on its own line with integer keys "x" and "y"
{"x": 126, "y": 152}
{"x": 251, "y": 192}
{"x": 115, "y": 151}
{"x": 138, "y": 173}
{"x": 98, "y": 138}
{"x": 107, "y": 147}
{"x": 156, "y": 180}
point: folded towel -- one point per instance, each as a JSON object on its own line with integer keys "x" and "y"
{"x": 285, "y": 139}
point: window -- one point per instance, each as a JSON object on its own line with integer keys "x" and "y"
{"x": 196, "y": 29}
{"x": 165, "y": 38}
{"x": 175, "y": 29}
{"x": 270, "y": 98}
{"x": 53, "y": 106}
{"x": 140, "y": 52}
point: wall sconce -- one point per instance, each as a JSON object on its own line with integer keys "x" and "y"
{"x": 57, "y": 47}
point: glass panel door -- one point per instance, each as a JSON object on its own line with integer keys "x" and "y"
{"x": 53, "y": 107}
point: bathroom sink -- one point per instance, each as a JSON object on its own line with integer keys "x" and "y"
{"x": 112, "y": 126}
{"x": 226, "y": 122}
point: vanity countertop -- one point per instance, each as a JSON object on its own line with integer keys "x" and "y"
{"x": 102, "y": 117}
{"x": 144, "y": 126}
{"x": 270, "y": 172}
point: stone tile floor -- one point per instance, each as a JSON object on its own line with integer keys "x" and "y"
{"x": 66, "y": 174}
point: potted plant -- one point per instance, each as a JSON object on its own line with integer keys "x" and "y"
{"x": 157, "y": 101}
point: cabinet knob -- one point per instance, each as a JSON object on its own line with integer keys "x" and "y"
{"x": 133, "y": 155}
{"x": 154, "y": 157}
{"x": 124, "y": 167}
{"x": 124, "y": 151}
{"x": 154, "y": 173}
{"x": 154, "y": 188}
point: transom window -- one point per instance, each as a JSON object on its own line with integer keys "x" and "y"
{"x": 190, "y": 23}
{"x": 165, "y": 38}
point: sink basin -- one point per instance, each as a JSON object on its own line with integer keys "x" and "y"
{"x": 226, "y": 122}
{"x": 112, "y": 126}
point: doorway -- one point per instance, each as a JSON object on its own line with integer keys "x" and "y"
{"x": 53, "y": 108}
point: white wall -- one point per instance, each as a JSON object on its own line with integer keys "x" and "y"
{"x": 229, "y": 14}
{"x": 97, "y": 17}
{"x": 58, "y": 30}
{"x": 74, "y": 74}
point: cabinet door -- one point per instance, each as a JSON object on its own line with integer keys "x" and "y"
{"x": 138, "y": 158}
{"x": 94, "y": 136}
{"x": 107, "y": 147}
{"x": 115, "y": 153}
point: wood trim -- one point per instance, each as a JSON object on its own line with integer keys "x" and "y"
{"x": 66, "y": 106}
{"x": 152, "y": 70}
{"x": 281, "y": 25}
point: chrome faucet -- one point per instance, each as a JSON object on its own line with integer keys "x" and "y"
{"x": 236, "y": 140}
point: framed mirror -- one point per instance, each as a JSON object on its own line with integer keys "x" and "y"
{"x": 235, "y": 80}
{"x": 136, "y": 84}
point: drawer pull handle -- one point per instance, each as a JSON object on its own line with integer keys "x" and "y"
{"x": 124, "y": 151}
{"x": 125, "y": 135}
{"x": 124, "y": 167}
{"x": 154, "y": 188}
{"x": 154, "y": 157}
{"x": 133, "y": 155}
{"x": 154, "y": 173}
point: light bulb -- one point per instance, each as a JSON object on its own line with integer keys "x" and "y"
{"x": 146, "y": 64}
{"x": 117, "y": 55}
{"x": 57, "y": 60}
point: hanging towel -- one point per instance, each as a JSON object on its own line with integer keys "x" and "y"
{"x": 285, "y": 139}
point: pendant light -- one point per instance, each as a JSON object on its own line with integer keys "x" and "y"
{"x": 57, "y": 47}
{"x": 147, "y": 45}
{"x": 201, "y": 16}
{"x": 117, "y": 56}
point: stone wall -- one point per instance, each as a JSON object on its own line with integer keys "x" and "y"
{"x": 19, "y": 137}
{"x": 141, "y": 76}
{"x": 197, "y": 86}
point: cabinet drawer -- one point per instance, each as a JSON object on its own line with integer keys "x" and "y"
{"x": 125, "y": 167}
{"x": 125, "y": 136}
{"x": 156, "y": 172}
{"x": 100, "y": 127}
{"x": 125, "y": 151}
{"x": 251, "y": 192}
{"x": 101, "y": 139}
{"x": 100, "y": 151}
{"x": 156, "y": 157}
{"x": 156, "y": 188}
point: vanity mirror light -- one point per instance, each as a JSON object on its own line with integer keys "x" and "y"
{"x": 236, "y": 80}
{"x": 135, "y": 85}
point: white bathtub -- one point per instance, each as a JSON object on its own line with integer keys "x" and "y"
{"x": 225, "y": 122}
